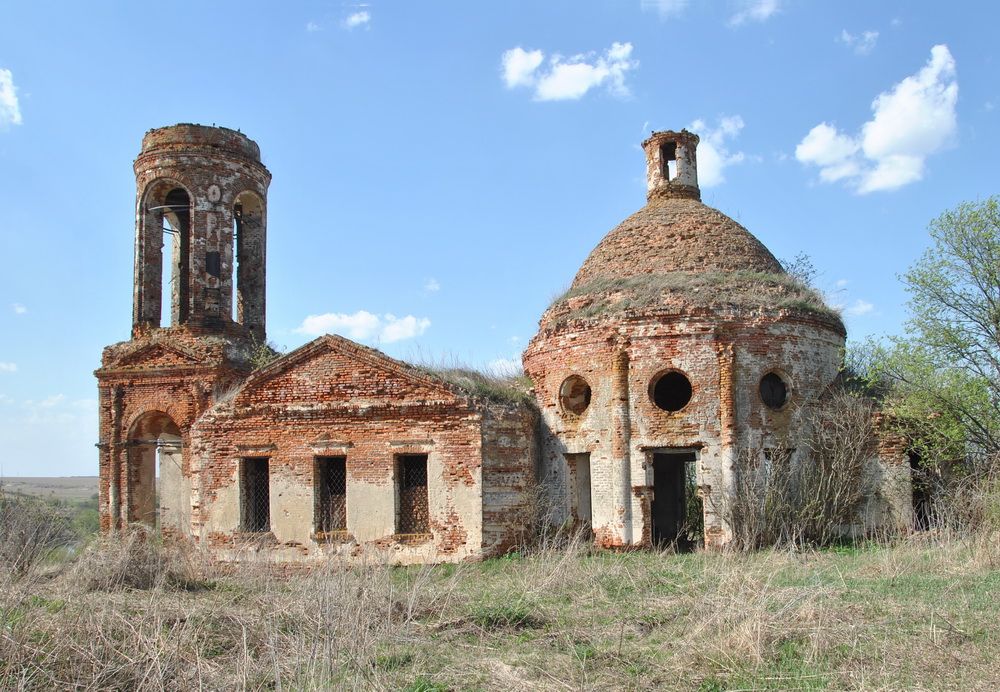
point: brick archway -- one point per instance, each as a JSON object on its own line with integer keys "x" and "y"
{"x": 154, "y": 469}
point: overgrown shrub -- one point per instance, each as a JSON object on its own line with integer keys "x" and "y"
{"x": 809, "y": 490}
{"x": 133, "y": 560}
{"x": 30, "y": 529}
{"x": 962, "y": 497}
{"x": 263, "y": 353}
{"x": 492, "y": 386}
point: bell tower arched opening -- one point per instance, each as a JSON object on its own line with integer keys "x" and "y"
{"x": 249, "y": 236}
{"x": 163, "y": 276}
{"x": 176, "y": 225}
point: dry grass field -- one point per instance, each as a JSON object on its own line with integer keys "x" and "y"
{"x": 919, "y": 613}
{"x": 67, "y": 488}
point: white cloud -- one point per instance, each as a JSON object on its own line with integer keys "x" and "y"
{"x": 754, "y": 11}
{"x": 397, "y": 329}
{"x": 356, "y": 19}
{"x": 833, "y": 152}
{"x": 432, "y": 285}
{"x": 861, "y": 44}
{"x": 365, "y": 326}
{"x": 519, "y": 66}
{"x": 18, "y": 308}
{"x": 842, "y": 283}
{"x": 859, "y": 307}
{"x": 48, "y": 402}
{"x": 568, "y": 78}
{"x": 912, "y": 120}
{"x": 8, "y": 367}
{"x": 10, "y": 109}
{"x": 505, "y": 367}
{"x": 713, "y": 149}
{"x": 665, "y": 8}
{"x": 313, "y": 27}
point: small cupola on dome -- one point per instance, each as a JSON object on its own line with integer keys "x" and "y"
{"x": 671, "y": 165}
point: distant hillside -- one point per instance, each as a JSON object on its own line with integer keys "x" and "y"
{"x": 57, "y": 488}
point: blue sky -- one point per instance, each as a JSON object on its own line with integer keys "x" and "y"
{"x": 442, "y": 169}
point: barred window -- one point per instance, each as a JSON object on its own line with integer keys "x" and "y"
{"x": 330, "y": 477}
{"x": 255, "y": 495}
{"x": 411, "y": 475}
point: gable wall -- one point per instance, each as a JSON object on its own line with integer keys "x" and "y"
{"x": 335, "y": 405}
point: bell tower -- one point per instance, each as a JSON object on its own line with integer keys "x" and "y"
{"x": 198, "y": 308}
{"x": 671, "y": 165}
{"x": 201, "y": 220}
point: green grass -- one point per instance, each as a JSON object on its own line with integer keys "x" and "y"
{"x": 894, "y": 616}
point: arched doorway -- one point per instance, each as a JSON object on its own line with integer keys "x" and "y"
{"x": 159, "y": 492}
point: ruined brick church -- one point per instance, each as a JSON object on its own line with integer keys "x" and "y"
{"x": 680, "y": 339}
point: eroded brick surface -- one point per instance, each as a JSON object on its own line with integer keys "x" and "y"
{"x": 183, "y": 392}
{"x": 620, "y": 332}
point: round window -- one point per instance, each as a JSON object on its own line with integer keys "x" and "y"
{"x": 672, "y": 391}
{"x": 574, "y": 394}
{"x": 773, "y": 391}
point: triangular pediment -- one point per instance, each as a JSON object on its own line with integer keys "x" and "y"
{"x": 333, "y": 369}
{"x": 156, "y": 356}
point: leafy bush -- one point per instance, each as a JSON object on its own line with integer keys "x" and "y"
{"x": 263, "y": 353}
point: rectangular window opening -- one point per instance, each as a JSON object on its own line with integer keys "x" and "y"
{"x": 668, "y": 160}
{"x": 213, "y": 263}
{"x": 255, "y": 495}
{"x": 411, "y": 482}
{"x": 330, "y": 479}
{"x": 776, "y": 459}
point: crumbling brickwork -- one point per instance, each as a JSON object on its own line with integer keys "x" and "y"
{"x": 333, "y": 397}
{"x": 195, "y": 443}
{"x": 678, "y": 297}
{"x": 681, "y": 342}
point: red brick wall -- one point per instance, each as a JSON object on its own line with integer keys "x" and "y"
{"x": 724, "y": 355}
{"x": 337, "y": 398}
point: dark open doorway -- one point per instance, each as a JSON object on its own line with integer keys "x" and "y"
{"x": 676, "y": 509}
{"x": 920, "y": 481}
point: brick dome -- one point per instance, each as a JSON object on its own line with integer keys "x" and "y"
{"x": 676, "y": 235}
{"x": 678, "y": 256}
